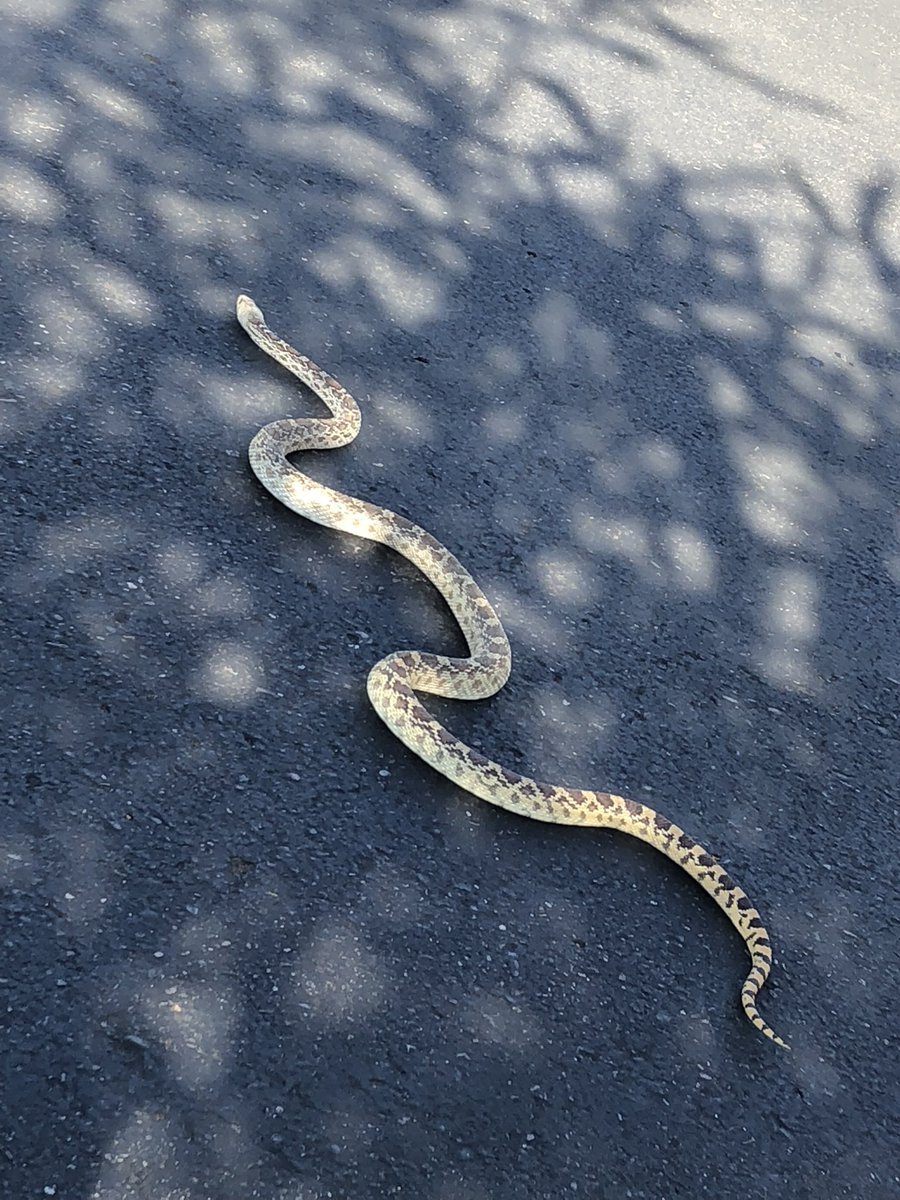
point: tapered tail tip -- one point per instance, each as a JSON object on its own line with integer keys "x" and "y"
{"x": 752, "y": 1013}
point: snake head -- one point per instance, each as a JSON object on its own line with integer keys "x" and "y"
{"x": 247, "y": 311}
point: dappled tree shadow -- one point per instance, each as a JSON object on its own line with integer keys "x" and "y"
{"x": 252, "y": 947}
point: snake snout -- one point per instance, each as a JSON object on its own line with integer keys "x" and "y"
{"x": 247, "y": 310}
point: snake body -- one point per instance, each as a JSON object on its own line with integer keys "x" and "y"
{"x": 394, "y": 681}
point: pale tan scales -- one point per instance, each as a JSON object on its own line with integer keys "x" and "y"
{"x": 393, "y": 682}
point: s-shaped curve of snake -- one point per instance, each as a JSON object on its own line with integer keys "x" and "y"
{"x": 393, "y": 682}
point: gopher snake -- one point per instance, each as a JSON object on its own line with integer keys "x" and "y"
{"x": 393, "y": 682}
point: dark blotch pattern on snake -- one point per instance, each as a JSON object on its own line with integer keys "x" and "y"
{"x": 393, "y": 682}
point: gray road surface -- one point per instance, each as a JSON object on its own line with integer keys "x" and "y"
{"x": 616, "y": 285}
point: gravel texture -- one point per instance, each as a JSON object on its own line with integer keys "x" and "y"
{"x": 616, "y": 285}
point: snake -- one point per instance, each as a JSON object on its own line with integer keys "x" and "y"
{"x": 394, "y": 682}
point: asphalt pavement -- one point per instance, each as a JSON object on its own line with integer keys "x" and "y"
{"x": 617, "y": 287}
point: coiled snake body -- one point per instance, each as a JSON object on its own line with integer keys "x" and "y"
{"x": 393, "y": 682}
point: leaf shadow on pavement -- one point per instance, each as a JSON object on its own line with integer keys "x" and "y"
{"x": 252, "y": 947}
